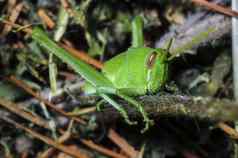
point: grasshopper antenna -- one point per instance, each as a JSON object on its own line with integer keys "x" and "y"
{"x": 169, "y": 45}
{"x": 167, "y": 48}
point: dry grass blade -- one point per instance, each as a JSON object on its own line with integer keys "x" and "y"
{"x": 83, "y": 111}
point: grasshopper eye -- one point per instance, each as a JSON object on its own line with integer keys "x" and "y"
{"x": 151, "y": 60}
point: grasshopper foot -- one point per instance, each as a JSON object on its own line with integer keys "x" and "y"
{"x": 126, "y": 117}
{"x": 130, "y": 122}
{"x": 148, "y": 124}
{"x": 99, "y": 105}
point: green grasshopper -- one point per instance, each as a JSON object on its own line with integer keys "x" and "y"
{"x": 138, "y": 71}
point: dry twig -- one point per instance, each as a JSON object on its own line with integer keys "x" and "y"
{"x": 45, "y": 18}
{"x": 101, "y": 149}
{"x": 16, "y": 108}
{"x": 22, "y": 85}
{"x": 83, "y": 56}
{"x": 75, "y": 153}
{"x": 216, "y": 7}
{"x": 15, "y": 12}
{"x": 122, "y": 143}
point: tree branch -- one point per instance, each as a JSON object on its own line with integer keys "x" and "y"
{"x": 168, "y": 105}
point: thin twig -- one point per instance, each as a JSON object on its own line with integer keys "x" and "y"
{"x": 97, "y": 147}
{"x": 229, "y": 130}
{"x": 101, "y": 149}
{"x": 65, "y": 3}
{"x": 47, "y": 140}
{"x": 23, "y": 28}
{"x": 63, "y": 138}
{"x": 216, "y": 7}
{"x": 77, "y": 53}
{"x": 24, "y": 86}
{"x": 15, "y": 12}
{"x": 15, "y": 108}
{"x": 122, "y": 143}
{"x": 83, "y": 56}
{"x": 45, "y": 18}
